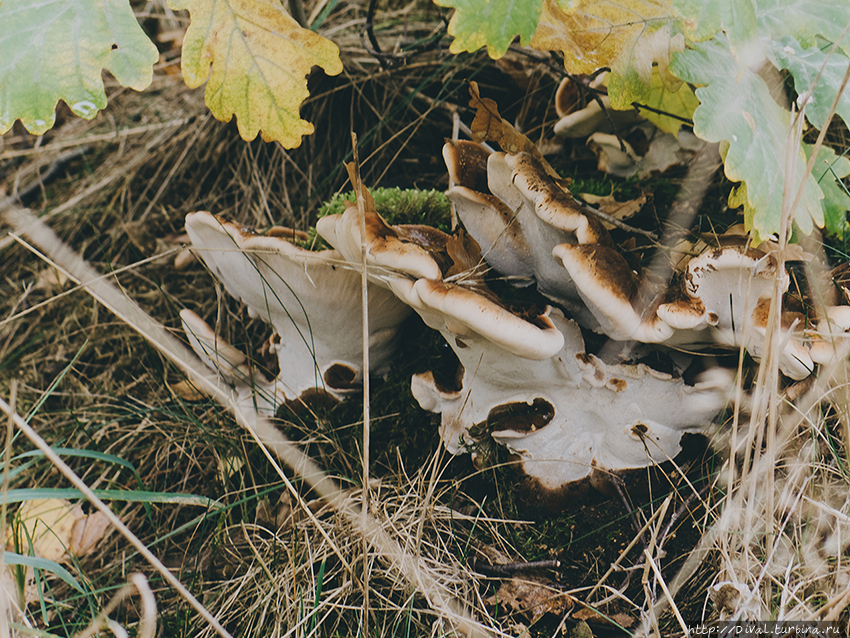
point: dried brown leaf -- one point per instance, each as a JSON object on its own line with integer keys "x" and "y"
{"x": 620, "y": 211}
{"x": 532, "y": 597}
{"x": 609, "y": 620}
{"x": 354, "y": 175}
{"x": 187, "y": 391}
{"x": 87, "y": 531}
{"x": 464, "y": 252}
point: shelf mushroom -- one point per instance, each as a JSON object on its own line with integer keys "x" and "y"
{"x": 722, "y": 297}
{"x": 525, "y": 378}
{"x": 568, "y": 415}
{"x": 529, "y": 226}
{"x": 311, "y": 299}
{"x": 518, "y": 215}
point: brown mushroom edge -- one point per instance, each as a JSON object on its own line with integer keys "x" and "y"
{"x": 534, "y": 498}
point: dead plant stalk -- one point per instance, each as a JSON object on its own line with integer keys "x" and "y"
{"x": 271, "y": 441}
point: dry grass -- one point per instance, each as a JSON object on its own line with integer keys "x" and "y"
{"x": 773, "y": 519}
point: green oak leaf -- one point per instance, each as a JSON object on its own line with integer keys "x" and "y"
{"x": 804, "y": 20}
{"x": 736, "y": 106}
{"x": 828, "y": 169}
{"x": 53, "y": 50}
{"x": 704, "y": 18}
{"x": 491, "y": 23}
{"x": 805, "y": 65}
{"x": 255, "y": 59}
{"x": 747, "y": 21}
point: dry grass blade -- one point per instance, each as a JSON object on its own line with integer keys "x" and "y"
{"x": 77, "y": 482}
{"x": 357, "y": 185}
{"x": 269, "y": 438}
{"x": 147, "y": 625}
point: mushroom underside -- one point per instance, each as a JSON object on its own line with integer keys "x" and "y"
{"x": 310, "y": 299}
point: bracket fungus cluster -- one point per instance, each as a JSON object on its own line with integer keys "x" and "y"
{"x": 720, "y": 296}
{"x": 311, "y": 299}
{"x": 525, "y": 379}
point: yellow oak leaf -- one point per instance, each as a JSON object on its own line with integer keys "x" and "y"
{"x": 627, "y": 36}
{"x": 56, "y": 528}
{"x": 680, "y": 102}
{"x": 257, "y": 58}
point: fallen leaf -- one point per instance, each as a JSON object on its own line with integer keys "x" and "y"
{"x": 47, "y": 523}
{"x": 532, "y": 597}
{"x": 611, "y": 207}
{"x": 464, "y": 252}
{"x": 581, "y": 630}
{"x": 56, "y": 528}
{"x": 368, "y": 200}
{"x": 275, "y": 518}
{"x": 186, "y": 391}
{"x": 664, "y": 151}
{"x": 87, "y": 531}
{"x": 228, "y": 466}
{"x": 50, "y": 277}
{"x": 488, "y": 126}
{"x": 609, "y": 620}
{"x": 255, "y": 59}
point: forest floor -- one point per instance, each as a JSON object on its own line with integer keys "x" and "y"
{"x": 194, "y": 485}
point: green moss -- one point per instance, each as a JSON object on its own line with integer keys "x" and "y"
{"x": 400, "y": 206}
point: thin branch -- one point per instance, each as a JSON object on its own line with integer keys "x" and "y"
{"x": 364, "y": 278}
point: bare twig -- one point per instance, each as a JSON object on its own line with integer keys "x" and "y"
{"x": 509, "y": 569}
{"x": 364, "y": 310}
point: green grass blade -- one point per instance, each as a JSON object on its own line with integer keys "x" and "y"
{"x": 13, "y": 558}
{"x": 130, "y": 496}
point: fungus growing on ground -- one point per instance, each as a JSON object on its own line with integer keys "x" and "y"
{"x": 528, "y": 225}
{"x": 568, "y": 415}
{"x": 311, "y": 299}
{"x": 525, "y": 378}
{"x": 506, "y": 219}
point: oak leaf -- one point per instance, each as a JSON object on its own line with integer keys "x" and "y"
{"x": 491, "y": 23}
{"x": 56, "y": 529}
{"x": 626, "y": 36}
{"x": 53, "y": 50}
{"x": 255, "y": 59}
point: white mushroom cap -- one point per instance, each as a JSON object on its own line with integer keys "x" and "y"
{"x": 589, "y": 414}
{"x": 491, "y": 222}
{"x": 311, "y": 299}
{"x": 795, "y": 360}
{"x": 460, "y": 313}
{"x": 386, "y": 251}
{"x": 551, "y": 203}
{"x": 590, "y": 119}
{"x": 251, "y": 390}
{"x": 832, "y": 335}
{"x": 217, "y": 353}
{"x": 457, "y": 311}
{"x": 608, "y": 286}
{"x": 514, "y": 240}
